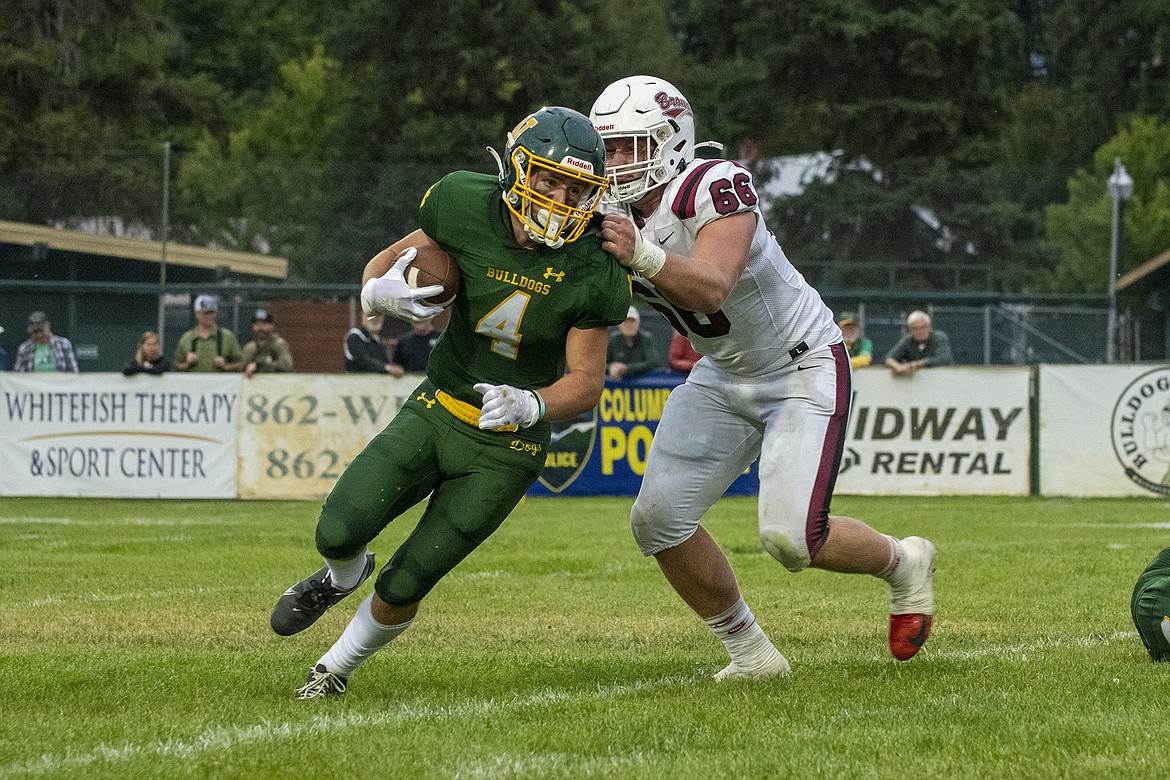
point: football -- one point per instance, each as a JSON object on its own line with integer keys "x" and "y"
{"x": 433, "y": 266}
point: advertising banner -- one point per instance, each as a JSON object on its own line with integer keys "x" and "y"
{"x": 171, "y": 436}
{"x": 1105, "y": 430}
{"x": 298, "y": 432}
{"x": 604, "y": 453}
{"x": 944, "y": 431}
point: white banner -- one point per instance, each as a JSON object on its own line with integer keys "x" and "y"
{"x": 298, "y": 432}
{"x": 944, "y": 431}
{"x": 171, "y": 436}
{"x": 1105, "y": 430}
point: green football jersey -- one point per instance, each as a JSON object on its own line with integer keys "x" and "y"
{"x": 509, "y": 322}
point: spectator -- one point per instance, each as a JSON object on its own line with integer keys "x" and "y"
{"x": 267, "y": 352}
{"x": 682, "y": 356}
{"x": 631, "y": 350}
{"x": 923, "y": 347}
{"x": 148, "y": 358}
{"x": 1150, "y": 607}
{"x": 207, "y": 347}
{"x": 364, "y": 353}
{"x": 860, "y": 349}
{"x": 3, "y": 354}
{"x": 44, "y": 351}
{"x": 413, "y": 349}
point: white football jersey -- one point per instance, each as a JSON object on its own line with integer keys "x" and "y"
{"x": 772, "y": 316}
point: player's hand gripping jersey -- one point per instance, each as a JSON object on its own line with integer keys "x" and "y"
{"x": 771, "y": 312}
{"x": 508, "y": 324}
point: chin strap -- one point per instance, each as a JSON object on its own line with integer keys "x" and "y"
{"x": 499, "y": 161}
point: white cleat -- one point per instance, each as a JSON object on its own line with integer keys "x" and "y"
{"x": 775, "y": 665}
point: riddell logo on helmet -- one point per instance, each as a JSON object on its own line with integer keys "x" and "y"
{"x": 672, "y": 105}
{"x": 603, "y": 128}
{"x": 581, "y": 165}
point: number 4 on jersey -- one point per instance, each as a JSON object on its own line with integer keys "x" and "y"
{"x": 502, "y": 324}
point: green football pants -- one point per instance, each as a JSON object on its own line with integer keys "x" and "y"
{"x": 474, "y": 479}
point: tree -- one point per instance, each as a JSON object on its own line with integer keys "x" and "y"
{"x": 1082, "y": 227}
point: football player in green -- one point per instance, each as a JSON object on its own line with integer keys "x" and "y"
{"x": 525, "y": 344}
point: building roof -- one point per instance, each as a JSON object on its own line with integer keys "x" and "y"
{"x": 143, "y": 250}
{"x": 1152, "y": 273}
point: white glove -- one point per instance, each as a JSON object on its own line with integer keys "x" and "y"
{"x": 390, "y": 294}
{"x": 504, "y": 406}
{"x": 648, "y": 258}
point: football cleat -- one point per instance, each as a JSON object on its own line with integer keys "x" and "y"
{"x": 775, "y": 665}
{"x": 912, "y": 598}
{"x": 303, "y": 603}
{"x": 321, "y": 683}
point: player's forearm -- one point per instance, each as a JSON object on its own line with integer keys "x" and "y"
{"x": 574, "y": 394}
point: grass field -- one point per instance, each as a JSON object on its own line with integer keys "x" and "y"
{"x": 134, "y": 642}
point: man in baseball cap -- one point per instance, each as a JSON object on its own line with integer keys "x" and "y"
{"x": 1150, "y": 607}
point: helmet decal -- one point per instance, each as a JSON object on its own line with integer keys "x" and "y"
{"x": 673, "y": 106}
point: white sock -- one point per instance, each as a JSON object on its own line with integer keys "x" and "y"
{"x": 895, "y": 559}
{"x": 746, "y": 642}
{"x": 363, "y": 637}
{"x": 345, "y": 573}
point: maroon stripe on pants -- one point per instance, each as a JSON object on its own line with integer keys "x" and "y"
{"x": 816, "y": 526}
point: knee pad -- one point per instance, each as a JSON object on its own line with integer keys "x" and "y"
{"x": 398, "y": 587}
{"x": 791, "y": 552}
{"x": 655, "y": 530}
{"x": 336, "y": 538}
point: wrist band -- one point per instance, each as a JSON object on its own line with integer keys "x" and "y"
{"x": 648, "y": 258}
{"x": 540, "y": 403}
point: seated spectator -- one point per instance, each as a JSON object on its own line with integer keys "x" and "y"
{"x": 631, "y": 351}
{"x": 44, "y": 351}
{"x": 364, "y": 353}
{"x": 207, "y": 347}
{"x": 922, "y": 347}
{"x": 267, "y": 352}
{"x": 413, "y": 349}
{"x": 682, "y": 356}
{"x": 860, "y": 349}
{"x": 148, "y": 358}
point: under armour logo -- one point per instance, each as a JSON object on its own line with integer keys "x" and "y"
{"x": 549, "y": 273}
{"x": 423, "y": 397}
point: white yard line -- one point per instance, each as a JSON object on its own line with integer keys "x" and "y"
{"x": 221, "y": 739}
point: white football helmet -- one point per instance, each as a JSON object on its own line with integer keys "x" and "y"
{"x": 658, "y": 119}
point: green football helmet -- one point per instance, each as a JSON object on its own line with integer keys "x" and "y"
{"x": 564, "y": 142}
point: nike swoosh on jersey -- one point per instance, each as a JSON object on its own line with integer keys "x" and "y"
{"x": 662, "y": 241}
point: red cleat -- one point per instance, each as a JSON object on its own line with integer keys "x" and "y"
{"x": 912, "y": 598}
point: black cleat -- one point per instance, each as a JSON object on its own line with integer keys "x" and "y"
{"x": 303, "y": 603}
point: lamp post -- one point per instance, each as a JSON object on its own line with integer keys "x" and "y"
{"x": 166, "y": 225}
{"x": 1120, "y": 188}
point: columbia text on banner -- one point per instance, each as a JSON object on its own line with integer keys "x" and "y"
{"x": 604, "y": 452}
{"x": 121, "y": 437}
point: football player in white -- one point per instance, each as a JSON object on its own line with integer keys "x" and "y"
{"x": 774, "y": 382}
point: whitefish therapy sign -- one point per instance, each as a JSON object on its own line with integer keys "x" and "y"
{"x": 172, "y": 436}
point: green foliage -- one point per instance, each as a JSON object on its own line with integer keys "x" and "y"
{"x": 1082, "y": 227}
{"x": 265, "y": 188}
{"x": 136, "y": 644}
{"x": 312, "y": 130}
